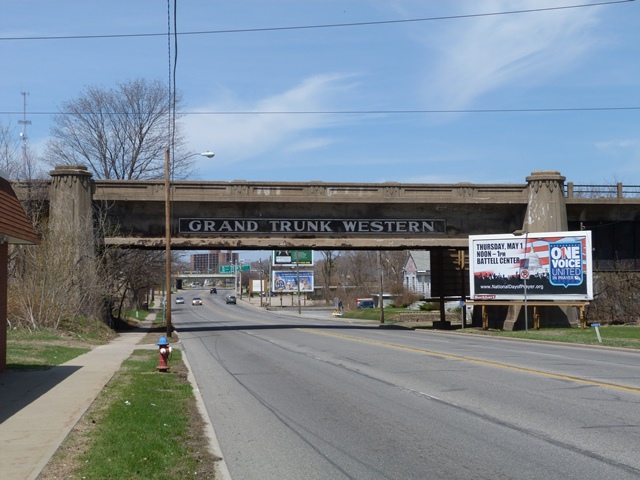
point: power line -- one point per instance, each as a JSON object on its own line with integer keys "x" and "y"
{"x": 329, "y": 25}
{"x": 366, "y": 112}
{"x": 391, "y": 112}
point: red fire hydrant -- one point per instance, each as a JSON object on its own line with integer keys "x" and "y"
{"x": 164, "y": 353}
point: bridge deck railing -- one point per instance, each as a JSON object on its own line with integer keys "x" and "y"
{"x": 617, "y": 190}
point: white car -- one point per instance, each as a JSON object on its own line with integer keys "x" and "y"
{"x": 179, "y": 300}
{"x": 196, "y": 301}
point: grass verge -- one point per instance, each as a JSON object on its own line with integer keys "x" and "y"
{"x": 623, "y": 336}
{"x": 373, "y": 314}
{"x": 45, "y": 348}
{"x": 612, "y": 335}
{"x": 144, "y": 425}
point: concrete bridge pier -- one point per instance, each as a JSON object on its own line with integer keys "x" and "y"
{"x": 546, "y": 212}
{"x": 71, "y": 220}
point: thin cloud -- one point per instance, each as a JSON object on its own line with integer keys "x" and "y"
{"x": 245, "y": 136}
{"x": 478, "y": 56}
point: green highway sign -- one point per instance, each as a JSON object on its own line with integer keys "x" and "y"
{"x": 230, "y": 269}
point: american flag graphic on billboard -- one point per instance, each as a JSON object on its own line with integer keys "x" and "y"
{"x": 535, "y": 255}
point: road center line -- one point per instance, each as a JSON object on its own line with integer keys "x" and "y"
{"x": 482, "y": 362}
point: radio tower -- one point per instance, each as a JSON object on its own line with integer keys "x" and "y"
{"x": 23, "y": 133}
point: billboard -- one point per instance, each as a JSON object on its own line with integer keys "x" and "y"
{"x": 287, "y": 281}
{"x": 551, "y": 265}
{"x": 287, "y": 258}
{"x": 258, "y": 285}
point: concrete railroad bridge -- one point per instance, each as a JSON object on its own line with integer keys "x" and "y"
{"x": 244, "y": 215}
{"x": 271, "y": 215}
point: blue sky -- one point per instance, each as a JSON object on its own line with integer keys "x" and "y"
{"x": 486, "y": 75}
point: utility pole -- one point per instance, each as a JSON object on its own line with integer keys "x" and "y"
{"x": 381, "y": 299}
{"x": 167, "y": 241}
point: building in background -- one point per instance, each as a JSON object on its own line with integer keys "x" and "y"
{"x": 212, "y": 261}
{"x": 417, "y": 272}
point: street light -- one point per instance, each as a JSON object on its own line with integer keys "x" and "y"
{"x": 167, "y": 232}
{"x": 298, "y": 279}
{"x": 261, "y": 283}
{"x": 241, "y": 265}
{"x": 381, "y": 300}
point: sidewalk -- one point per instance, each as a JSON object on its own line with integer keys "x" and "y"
{"x": 38, "y": 409}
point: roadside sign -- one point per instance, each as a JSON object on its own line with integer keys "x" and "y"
{"x": 229, "y": 269}
{"x": 556, "y": 265}
{"x": 287, "y": 258}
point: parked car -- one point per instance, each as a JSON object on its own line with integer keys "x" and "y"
{"x": 231, "y": 299}
{"x": 196, "y": 301}
{"x": 364, "y": 303}
{"x": 179, "y": 300}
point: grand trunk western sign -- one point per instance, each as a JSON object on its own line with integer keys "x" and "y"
{"x": 228, "y": 226}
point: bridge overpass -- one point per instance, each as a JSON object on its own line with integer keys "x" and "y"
{"x": 242, "y": 215}
{"x": 224, "y": 278}
{"x": 245, "y": 215}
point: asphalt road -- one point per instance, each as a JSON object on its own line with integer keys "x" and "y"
{"x": 307, "y": 398}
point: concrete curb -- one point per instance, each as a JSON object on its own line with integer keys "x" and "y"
{"x": 221, "y": 470}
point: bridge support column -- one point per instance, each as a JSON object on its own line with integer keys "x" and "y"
{"x": 546, "y": 212}
{"x": 70, "y": 207}
{"x": 71, "y": 221}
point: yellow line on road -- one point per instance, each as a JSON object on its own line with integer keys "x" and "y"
{"x": 482, "y": 362}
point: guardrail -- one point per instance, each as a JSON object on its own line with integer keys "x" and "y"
{"x": 617, "y": 190}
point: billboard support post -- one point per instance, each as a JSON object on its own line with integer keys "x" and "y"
{"x": 524, "y": 276}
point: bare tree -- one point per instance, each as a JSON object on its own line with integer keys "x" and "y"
{"x": 17, "y": 160}
{"x": 120, "y": 133}
{"x": 9, "y": 151}
{"x": 392, "y": 264}
{"x": 616, "y": 286}
{"x": 129, "y": 275}
{"x": 616, "y": 297}
{"x": 327, "y": 267}
{"x": 50, "y": 284}
{"x": 357, "y": 274}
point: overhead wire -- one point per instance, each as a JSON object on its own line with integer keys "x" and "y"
{"x": 173, "y": 69}
{"x": 366, "y": 112}
{"x": 320, "y": 26}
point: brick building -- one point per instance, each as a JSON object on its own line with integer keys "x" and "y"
{"x": 211, "y": 262}
{"x": 15, "y": 228}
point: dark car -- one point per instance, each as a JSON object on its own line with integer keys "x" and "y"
{"x": 213, "y": 290}
{"x": 365, "y": 304}
{"x": 231, "y": 299}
